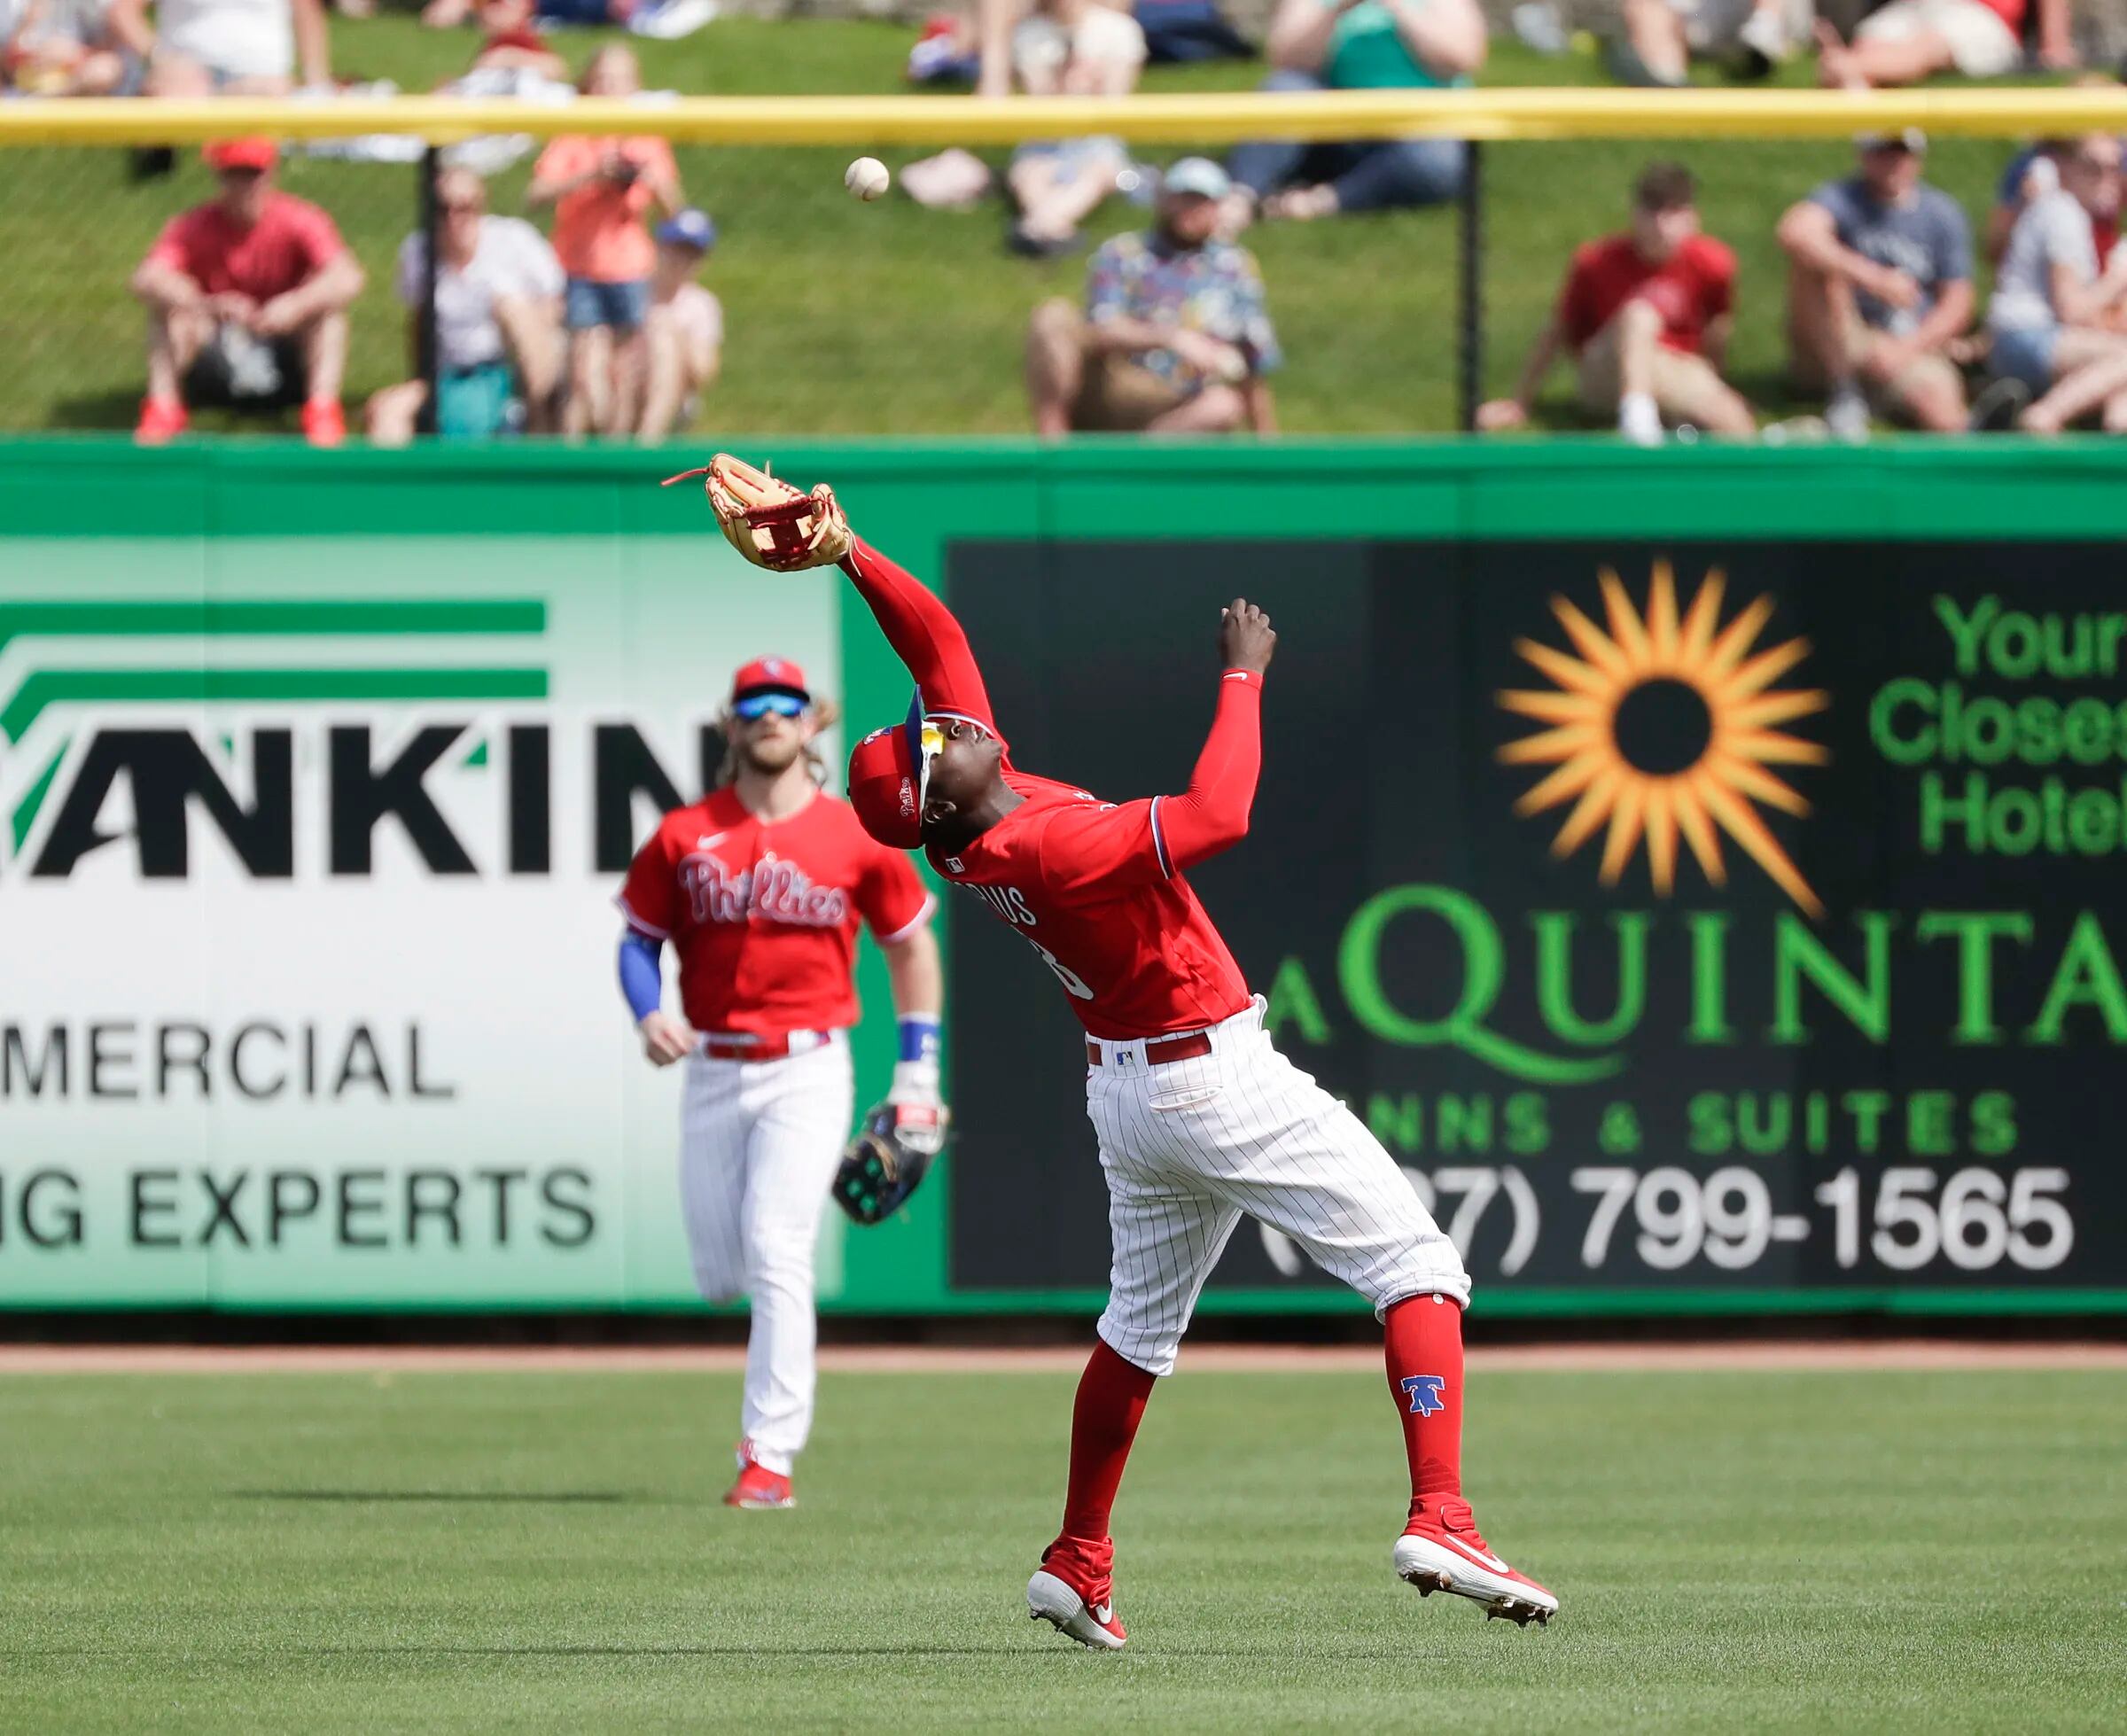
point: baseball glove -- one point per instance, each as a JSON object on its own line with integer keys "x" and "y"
{"x": 768, "y": 521}
{"x": 890, "y": 1155}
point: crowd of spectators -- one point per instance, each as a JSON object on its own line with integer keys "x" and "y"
{"x": 602, "y": 330}
{"x": 1881, "y": 304}
{"x": 600, "y": 327}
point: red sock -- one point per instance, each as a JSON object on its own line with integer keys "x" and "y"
{"x": 1103, "y": 1423}
{"x": 1424, "y": 1343}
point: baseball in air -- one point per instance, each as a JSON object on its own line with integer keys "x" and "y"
{"x": 867, "y": 178}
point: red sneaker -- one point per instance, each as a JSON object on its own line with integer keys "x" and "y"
{"x": 324, "y": 423}
{"x": 161, "y": 419}
{"x": 757, "y": 1486}
{"x": 1440, "y": 1550}
{"x": 1074, "y": 1593}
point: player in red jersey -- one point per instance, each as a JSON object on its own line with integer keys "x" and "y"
{"x": 758, "y": 887}
{"x": 1200, "y": 1120}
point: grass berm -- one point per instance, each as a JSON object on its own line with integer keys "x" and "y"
{"x": 889, "y": 319}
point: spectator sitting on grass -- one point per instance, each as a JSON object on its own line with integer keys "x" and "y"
{"x": 1069, "y": 48}
{"x": 1175, "y": 338}
{"x": 498, "y": 323}
{"x": 645, "y": 18}
{"x": 1662, "y": 38}
{"x": 1079, "y": 47}
{"x": 248, "y": 300}
{"x": 2034, "y": 171}
{"x": 600, "y": 189}
{"x": 1647, "y": 313}
{"x": 510, "y": 42}
{"x": 1879, "y": 288}
{"x": 229, "y": 48}
{"x": 686, "y": 327}
{"x": 1361, "y": 45}
{"x": 62, "y": 48}
{"x": 1907, "y": 41}
{"x": 2053, "y": 293}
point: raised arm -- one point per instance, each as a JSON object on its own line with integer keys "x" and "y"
{"x": 923, "y": 634}
{"x": 1212, "y": 814}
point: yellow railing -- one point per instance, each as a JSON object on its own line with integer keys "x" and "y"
{"x": 1547, "y": 113}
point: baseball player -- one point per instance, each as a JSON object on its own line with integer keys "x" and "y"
{"x": 1200, "y": 1119}
{"x": 758, "y": 887}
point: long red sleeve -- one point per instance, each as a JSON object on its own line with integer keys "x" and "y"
{"x": 1212, "y": 814}
{"x": 924, "y": 635}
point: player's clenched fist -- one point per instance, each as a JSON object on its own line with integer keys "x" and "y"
{"x": 1246, "y": 639}
{"x": 665, "y": 1039}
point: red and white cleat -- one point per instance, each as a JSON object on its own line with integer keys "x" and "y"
{"x": 1074, "y": 1593}
{"x": 1440, "y": 1550}
{"x": 757, "y": 1486}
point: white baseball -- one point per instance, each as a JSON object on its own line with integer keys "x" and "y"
{"x": 867, "y": 178}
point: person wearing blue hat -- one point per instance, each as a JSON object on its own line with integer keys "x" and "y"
{"x": 685, "y": 327}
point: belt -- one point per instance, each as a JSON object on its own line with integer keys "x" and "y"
{"x": 1161, "y": 1050}
{"x": 780, "y": 1046}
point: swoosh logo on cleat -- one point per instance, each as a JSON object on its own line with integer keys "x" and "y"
{"x": 1483, "y": 1557}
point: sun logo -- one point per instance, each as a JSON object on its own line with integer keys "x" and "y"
{"x": 1664, "y": 728}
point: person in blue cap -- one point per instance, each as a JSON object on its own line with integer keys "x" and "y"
{"x": 685, "y": 327}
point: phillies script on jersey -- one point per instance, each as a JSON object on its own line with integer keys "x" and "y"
{"x": 764, "y": 915}
{"x": 1095, "y": 887}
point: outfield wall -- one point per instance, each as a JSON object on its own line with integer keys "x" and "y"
{"x": 317, "y": 772}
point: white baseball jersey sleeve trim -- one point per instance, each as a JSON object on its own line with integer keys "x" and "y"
{"x": 649, "y": 929}
{"x": 1190, "y": 1148}
{"x": 911, "y": 925}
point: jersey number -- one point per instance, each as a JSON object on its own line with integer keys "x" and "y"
{"x": 1074, "y": 986}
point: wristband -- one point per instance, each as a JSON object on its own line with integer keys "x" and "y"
{"x": 919, "y": 1034}
{"x": 1246, "y": 677}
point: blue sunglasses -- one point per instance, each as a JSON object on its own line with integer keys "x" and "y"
{"x": 759, "y": 704}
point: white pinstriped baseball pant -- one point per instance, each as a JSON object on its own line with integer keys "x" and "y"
{"x": 759, "y": 1144}
{"x": 1191, "y": 1147}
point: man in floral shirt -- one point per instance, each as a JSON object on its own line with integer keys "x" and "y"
{"x": 1174, "y": 339}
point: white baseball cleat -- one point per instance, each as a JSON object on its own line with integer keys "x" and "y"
{"x": 1442, "y": 1551}
{"x": 1051, "y": 1600}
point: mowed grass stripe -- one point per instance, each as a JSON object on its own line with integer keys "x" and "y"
{"x": 1735, "y": 1550}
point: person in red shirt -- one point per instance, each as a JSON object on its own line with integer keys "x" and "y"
{"x": 247, "y": 299}
{"x": 758, "y": 888}
{"x": 1200, "y": 1119}
{"x": 1646, "y": 316}
{"x": 1907, "y": 40}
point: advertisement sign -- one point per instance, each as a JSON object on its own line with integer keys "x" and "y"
{"x": 307, "y": 855}
{"x": 1701, "y": 869}
{"x": 1688, "y": 916}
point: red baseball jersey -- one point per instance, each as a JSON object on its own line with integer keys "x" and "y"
{"x": 1088, "y": 885}
{"x": 763, "y": 914}
{"x": 290, "y": 243}
{"x": 1691, "y": 288}
{"x": 1096, "y": 887}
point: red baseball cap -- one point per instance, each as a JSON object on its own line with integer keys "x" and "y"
{"x": 889, "y": 774}
{"x": 255, "y": 152}
{"x": 770, "y": 675}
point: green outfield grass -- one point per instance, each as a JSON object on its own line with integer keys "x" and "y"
{"x": 1735, "y": 1552}
{"x": 889, "y": 319}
